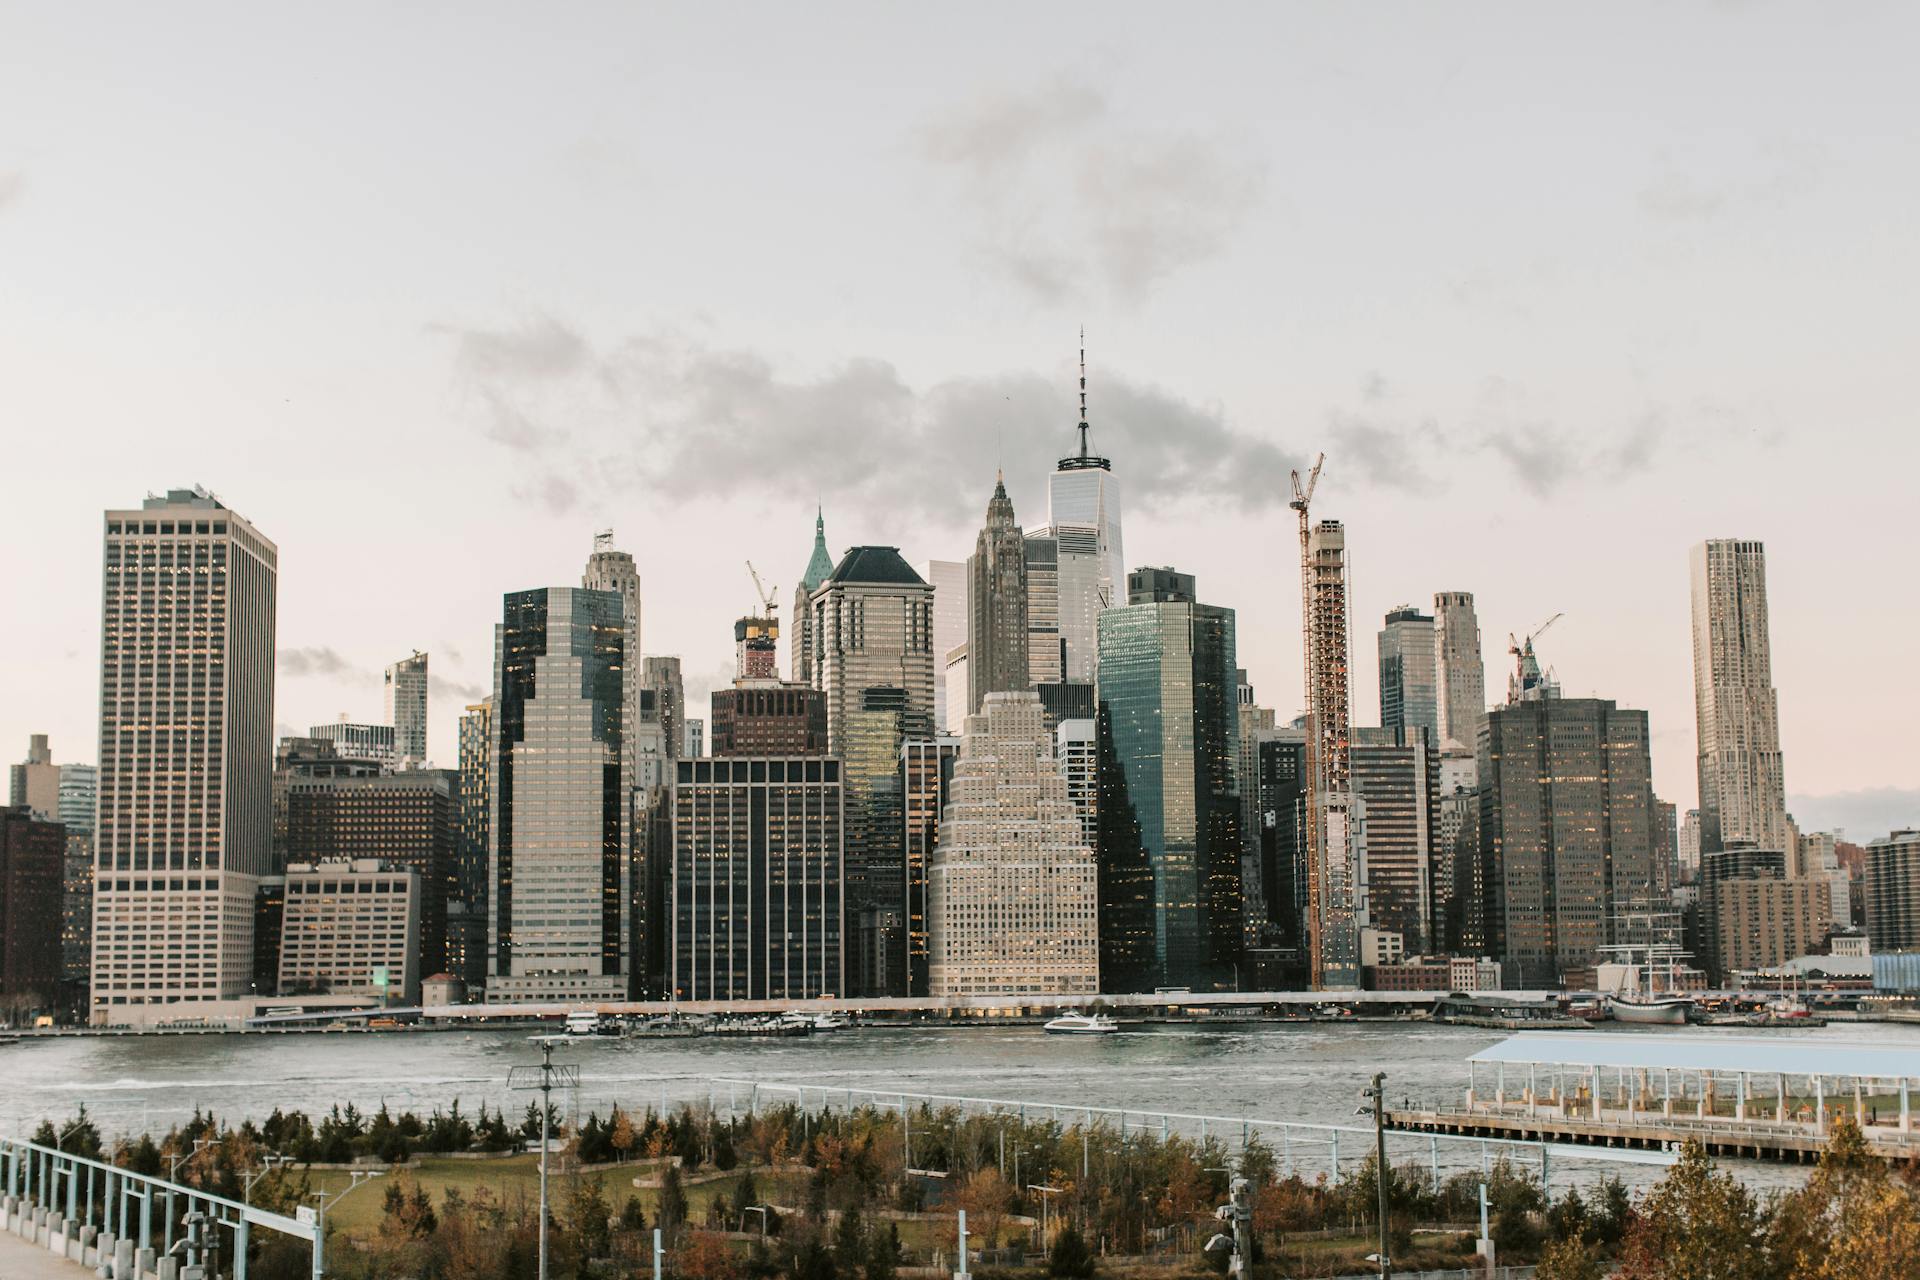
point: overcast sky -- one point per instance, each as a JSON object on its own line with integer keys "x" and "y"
{"x": 432, "y": 292}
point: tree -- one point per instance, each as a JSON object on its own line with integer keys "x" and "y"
{"x": 849, "y": 1241}
{"x": 705, "y": 1256}
{"x": 624, "y": 1137}
{"x": 883, "y": 1252}
{"x": 672, "y": 1209}
{"x": 987, "y": 1198}
{"x": 1852, "y": 1221}
{"x": 1070, "y": 1258}
{"x": 589, "y": 1216}
{"x": 1697, "y": 1224}
{"x": 1570, "y": 1258}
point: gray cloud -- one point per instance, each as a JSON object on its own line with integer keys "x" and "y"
{"x": 665, "y": 414}
{"x": 1545, "y": 457}
{"x": 1072, "y": 204}
{"x": 314, "y": 660}
{"x": 440, "y": 687}
{"x": 11, "y": 187}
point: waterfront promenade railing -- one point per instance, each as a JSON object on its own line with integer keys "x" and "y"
{"x": 123, "y": 1224}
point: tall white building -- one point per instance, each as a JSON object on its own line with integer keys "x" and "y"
{"x": 1743, "y": 794}
{"x": 1687, "y": 847}
{"x": 1083, "y": 517}
{"x": 1459, "y": 673}
{"x": 949, "y": 579}
{"x": 407, "y": 708}
{"x": 1012, "y": 899}
{"x": 185, "y": 810}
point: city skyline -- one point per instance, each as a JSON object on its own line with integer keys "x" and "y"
{"x": 1468, "y": 450}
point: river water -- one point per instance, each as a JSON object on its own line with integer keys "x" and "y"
{"x": 1305, "y": 1072}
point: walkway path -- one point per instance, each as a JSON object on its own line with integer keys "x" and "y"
{"x": 22, "y": 1261}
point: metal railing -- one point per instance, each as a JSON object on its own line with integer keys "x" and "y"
{"x": 102, "y": 1215}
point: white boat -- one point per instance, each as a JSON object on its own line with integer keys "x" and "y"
{"x": 1075, "y": 1023}
{"x": 814, "y": 1021}
{"x": 1666, "y": 1011}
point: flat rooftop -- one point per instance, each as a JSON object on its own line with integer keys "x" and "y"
{"x": 1764, "y": 1055}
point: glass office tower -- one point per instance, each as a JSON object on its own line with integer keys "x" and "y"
{"x": 1169, "y": 816}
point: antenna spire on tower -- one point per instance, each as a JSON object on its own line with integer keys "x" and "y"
{"x": 1083, "y": 391}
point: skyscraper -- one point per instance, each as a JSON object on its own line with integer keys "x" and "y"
{"x": 761, "y": 714}
{"x": 1012, "y": 897}
{"x": 406, "y": 687}
{"x": 997, "y": 604}
{"x": 369, "y": 742}
{"x": 926, "y": 767}
{"x": 1169, "y": 819}
{"x": 34, "y": 784}
{"x": 562, "y": 908}
{"x": 1396, "y": 783}
{"x": 467, "y": 916}
{"x": 185, "y": 823}
{"x": 1256, "y": 725}
{"x": 1893, "y": 891}
{"x": 1408, "y": 664}
{"x": 1046, "y": 652}
{"x": 949, "y": 581}
{"x": 1566, "y": 819}
{"x": 756, "y": 885}
{"x": 1460, "y": 673}
{"x": 31, "y": 856}
{"x": 1333, "y": 941}
{"x": 1083, "y": 518}
{"x": 610, "y": 569}
{"x": 401, "y": 820}
{"x": 1742, "y": 786}
{"x": 1076, "y": 753}
{"x": 872, "y": 628}
{"x": 819, "y": 568}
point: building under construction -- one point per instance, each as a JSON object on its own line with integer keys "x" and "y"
{"x": 1333, "y": 861}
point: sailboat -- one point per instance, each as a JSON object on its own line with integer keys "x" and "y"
{"x": 1645, "y": 1005}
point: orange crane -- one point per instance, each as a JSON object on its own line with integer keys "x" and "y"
{"x": 766, "y": 594}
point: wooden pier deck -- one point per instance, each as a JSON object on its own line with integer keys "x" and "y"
{"x": 1790, "y": 1141}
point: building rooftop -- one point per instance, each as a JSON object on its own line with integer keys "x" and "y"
{"x": 1802, "y": 1057}
{"x": 876, "y": 564}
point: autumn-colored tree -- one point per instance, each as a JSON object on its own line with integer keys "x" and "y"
{"x": 1570, "y": 1258}
{"x": 1852, "y": 1221}
{"x": 1879, "y": 1236}
{"x": 1697, "y": 1224}
{"x": 624, "y": 1137}
{"x": 705, "y": 1255}
{"x": 987, "y": 1198}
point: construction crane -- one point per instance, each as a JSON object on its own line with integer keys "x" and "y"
{"x": 766, "y": 594}
{"x": 1527, "y": 675}
{"x": 1302, "y": 499}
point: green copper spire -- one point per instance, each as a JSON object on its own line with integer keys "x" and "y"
{"x": 821, "y": 565}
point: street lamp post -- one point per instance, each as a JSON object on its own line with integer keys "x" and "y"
{"x": 541, "y": 1076}
{"x": 323, "y": 1202}
{"x": 1376, "y": 1097}
{"x": 1046, "y": 1240}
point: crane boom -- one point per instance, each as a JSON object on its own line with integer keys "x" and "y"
{"x": 767, "y": 601}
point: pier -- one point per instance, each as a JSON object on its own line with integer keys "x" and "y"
{"x": 1742, "y": 1097}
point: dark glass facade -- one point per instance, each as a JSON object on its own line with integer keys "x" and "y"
{"x": 757, "y": 879}
{"x": 1168, "y": 732}
{"x": 1565, "y": 830}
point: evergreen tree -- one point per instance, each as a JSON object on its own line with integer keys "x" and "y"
{"x": 1070, "y": 1258}
{"x": 671, "y": 1212}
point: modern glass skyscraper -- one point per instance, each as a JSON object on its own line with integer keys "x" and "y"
{"x": 1566, "y": 818}
{"x": 406, "y": 688}
{"x": 186, "y": 756}
{"x": 1408, "y": 697}
{"x": 1083, "y": 518}
{"x": 1169, "y": 819}
{"x": 757, "y": 881}
{"x": 1743, "y": 792}
{"x": 562, "y": 909}
{"x": 997, "y": 604}
{"x": 467, "y": 915}
{"x": 926, "y": 766}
